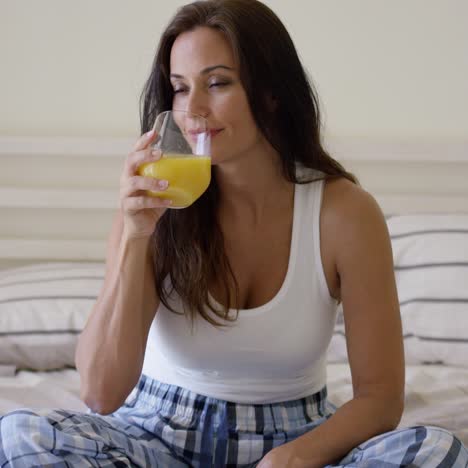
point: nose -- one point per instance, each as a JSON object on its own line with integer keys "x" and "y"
{"x": 197, "y": 103}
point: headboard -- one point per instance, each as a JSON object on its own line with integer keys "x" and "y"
{"x": 58, "y": 195}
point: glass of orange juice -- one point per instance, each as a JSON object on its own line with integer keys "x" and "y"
{"x": 185, "y": 143}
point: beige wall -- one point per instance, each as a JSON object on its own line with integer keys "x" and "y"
{"x": 383, "y": 68}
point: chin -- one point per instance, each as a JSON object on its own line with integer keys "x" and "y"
{"x": 219, "y": 158}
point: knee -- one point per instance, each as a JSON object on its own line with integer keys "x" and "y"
{"x": 438, "y": 435}
{"x": 441, "y": 444}
{"x": 18, "y": 433}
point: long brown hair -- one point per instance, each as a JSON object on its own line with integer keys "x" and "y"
{"x": 188, "y": 245}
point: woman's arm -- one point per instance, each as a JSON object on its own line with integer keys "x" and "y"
{"x": 110, "y": 350}
{"x": 354, "y": 224}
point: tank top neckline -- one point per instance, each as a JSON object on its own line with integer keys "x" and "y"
{"x": 289, "y": 273}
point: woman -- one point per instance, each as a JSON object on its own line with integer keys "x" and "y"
{"x": 219, "y": 316}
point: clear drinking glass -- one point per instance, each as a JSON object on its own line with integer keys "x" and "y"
{"x": 185, "y": 142}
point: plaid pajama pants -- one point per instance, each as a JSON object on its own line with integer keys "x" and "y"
{"x": 163, "y": 426}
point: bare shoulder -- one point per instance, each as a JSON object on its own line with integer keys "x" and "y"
{"x": 347, "y": 206}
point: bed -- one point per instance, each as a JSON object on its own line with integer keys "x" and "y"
{"x": 57, "y": 198}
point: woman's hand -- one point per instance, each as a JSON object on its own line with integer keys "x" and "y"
{"x": 140, "y": 211}
{"x": 284, "y": 456}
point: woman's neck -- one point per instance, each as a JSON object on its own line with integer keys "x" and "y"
{"x": 254, "y": 187}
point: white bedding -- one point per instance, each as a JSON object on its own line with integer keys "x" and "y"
{"x": 51, "y": 389}
{"x": 435, "y": 395}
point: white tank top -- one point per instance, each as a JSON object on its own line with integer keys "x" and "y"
{"x": 275, "y": 352}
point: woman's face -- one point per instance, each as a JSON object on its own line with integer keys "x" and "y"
{"x": 205, "y": 79}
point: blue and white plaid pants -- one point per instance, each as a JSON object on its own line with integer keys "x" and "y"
{"x": 163, "y": 426}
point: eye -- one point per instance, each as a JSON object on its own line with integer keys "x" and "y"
{"x": 218, "y": 84}
{"x": 179, "y": 90}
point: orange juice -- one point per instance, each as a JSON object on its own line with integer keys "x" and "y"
{"x": 188, "y": 176}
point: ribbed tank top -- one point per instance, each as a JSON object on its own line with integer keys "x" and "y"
{"x": 272, "y": 353}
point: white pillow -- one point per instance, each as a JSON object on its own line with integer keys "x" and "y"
{"x": 43, "y": 308}
{"x": 430, "y": 254}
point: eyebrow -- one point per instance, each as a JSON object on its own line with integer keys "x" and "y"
{"x": 205, "y": 70}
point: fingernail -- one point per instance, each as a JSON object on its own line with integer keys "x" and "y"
{"x": 167, "y": 202}
{"x": 148, "y": 134}
{"x": 163, "y": 184}
{"x": 156, "y": 153}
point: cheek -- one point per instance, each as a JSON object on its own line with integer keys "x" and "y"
{"x": 238, "y": 116}
{"x": 246, "y": 125}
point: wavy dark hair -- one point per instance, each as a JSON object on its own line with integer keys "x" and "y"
{"x": 188, "y": 244}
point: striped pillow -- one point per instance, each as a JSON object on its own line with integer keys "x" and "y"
{"x": 430, "y": 253}
{"x": 43, "y": 308}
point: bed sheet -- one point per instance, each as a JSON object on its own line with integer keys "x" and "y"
{"x": 435, "y": 395}
{"x": 52, "y": 389}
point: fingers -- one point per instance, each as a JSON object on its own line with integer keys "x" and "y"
{"x": 134, "y": 185}
{"x": 145, "y": 139}
{"x": 137, "y": 158}
{"x": 135, "y": 204}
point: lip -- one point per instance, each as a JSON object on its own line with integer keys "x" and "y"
{"x": 215, "y": 131}
{"x": 212, "y": 131}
